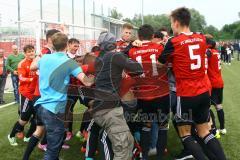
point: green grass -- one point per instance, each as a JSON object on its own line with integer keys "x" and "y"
{"x": 230, "y": 142}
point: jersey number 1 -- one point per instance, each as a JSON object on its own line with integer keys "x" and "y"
{"x": 154, "y": 64}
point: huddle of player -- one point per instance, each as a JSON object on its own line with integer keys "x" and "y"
{"x": 179, "y": 75}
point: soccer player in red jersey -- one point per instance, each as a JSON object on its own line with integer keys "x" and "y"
{"x": 73, "y": 46}
{"x": 26, "y": 96}
{"x": 151, "y": 90}
{"x": 187, "y": 50}
{"x": 126, "y": 36}
{"x": 215, "y": 77}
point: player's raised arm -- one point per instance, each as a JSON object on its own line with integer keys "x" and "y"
{"x": 132, "y": 67}
{"x": 86, "y": 80}
{"x": 168, "y": 50}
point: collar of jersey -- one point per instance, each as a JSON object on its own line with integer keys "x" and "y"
{"x": 188, "y": 34}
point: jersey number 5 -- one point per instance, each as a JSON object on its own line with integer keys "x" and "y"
{"x": 193, "y": 56}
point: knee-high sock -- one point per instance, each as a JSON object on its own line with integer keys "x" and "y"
{"x": 213, "y": 127}
{"x": 44, "y": 140}
{"x": 195, "y": 149}
{"x": 32, "y": 128}
{"x": 16, "y": 128}
{"x": 207, "y": 152}
{"x": 221, "y": 118}
{"x": 161, "y": 143}
{"x": 214, "y": 146}
{"x": 92, "y": 142}
{"x": 31, "y": 145}
{"x": 145, "y": 141}
{"x": 70, "y": 124}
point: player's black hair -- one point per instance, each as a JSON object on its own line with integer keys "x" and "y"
{"x": 158, "y": 34}
{"x": 28, "y": 47}
{"x": 95, "y": 49}
{"x": 164, "y": 29}
{"x": 182, "y": 15}
{"x": 73, "y": 40}
{"x": 145, "y": 32}
{"x": 51, "y": 32}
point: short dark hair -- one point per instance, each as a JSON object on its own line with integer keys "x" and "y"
{"x": 128, "y": 26}
{"x": 73, "y": 40}
{"x": 95, "y": 49}
{"x": 158, "y": 34}
{"x": 28, "y": 47}
{"x": 51, "y": 32}
{"x": 163, "y": 29}
{"x": 182, "y": 15}
{"x": 145, "y": 32}
{"x": 59, "y": 41}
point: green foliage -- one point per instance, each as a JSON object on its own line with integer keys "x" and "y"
{"x": 230, "y": 31}
{"x": 237, "y": 33}
{"x": 212, "y": 30}
{"x": 198, "y": 22}
{"x": 115, "y": 14}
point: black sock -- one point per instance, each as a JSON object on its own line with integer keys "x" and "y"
{"x": 70, "y": 124}
{"x": 16, "y": 128}
{"x": 31, "y": 145}
{"x": 145, "y": 142}
{"x": 214, "y": 146}
{"x": 220, "y": 114}
{"x": 31, "y": 129}
{"x": 64, "y": 137}
{"x": 44, "y": 140}
{"x": 195, "y": 149}
{"x": 207, "y": 152}
{"x": 213, "y": 127}
{"x": 161, "y": 143}
{"x": 92, "y": 142}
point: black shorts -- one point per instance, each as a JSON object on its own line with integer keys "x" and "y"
{"x": 37, "y": 117}
{"x": 193, "y": 109}
{"x": 26, "y": 108}
{"x": 217, "y": 96}
{"x": 156, "y": 110}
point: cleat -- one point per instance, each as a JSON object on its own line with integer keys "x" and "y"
{"x": 42, "y": 147}
{"x": 25, "y": 139}
{"x": 12, "y": 141}
{"x": 223, "y": 131}
{"x": 65, "y": 146}
{"x": 69, "y": 136}
{"x": 184, "y": 156}
{"x": 78, "y": 134}
{"x": 217, "y": 135}
{"x": 152, "y": 152}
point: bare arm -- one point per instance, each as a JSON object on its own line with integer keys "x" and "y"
{"x": 87, "y": 81}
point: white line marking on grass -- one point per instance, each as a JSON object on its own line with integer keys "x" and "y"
{"x": 9, "y": 104}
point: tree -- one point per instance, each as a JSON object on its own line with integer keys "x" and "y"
{"x": 212, "y": 30}
{"x": 157, "y": 21}
{"x": 198, "y": 22}
{"x": 237, "y": 33}
{"x": 115, "y": 14}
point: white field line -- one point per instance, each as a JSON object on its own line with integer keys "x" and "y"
{"x": 5, "y": 105}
